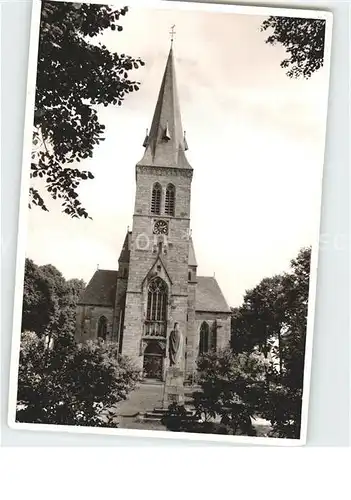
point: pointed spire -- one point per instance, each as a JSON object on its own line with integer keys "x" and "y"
{"x": 165, "y": 143}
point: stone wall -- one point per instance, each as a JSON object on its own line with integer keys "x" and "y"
{"x": 121, "y": 289}
{"x": 223, "y": 322}
{"x": 145, "y": 252}
{"x": 192, "y": 334}
{"x": 87, "y": 322}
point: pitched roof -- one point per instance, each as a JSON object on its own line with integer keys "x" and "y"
{"x": 209, "y": 296}
{"x": 101, "y": 289}
{"x": 191, "y": 257}
{"x": 165, "y": 144}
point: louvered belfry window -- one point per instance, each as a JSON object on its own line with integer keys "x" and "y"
{"x": 170, "y": 200}
{"x": 156, "y": 199}
{"x": 156, "y": 313}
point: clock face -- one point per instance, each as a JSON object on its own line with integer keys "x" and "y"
{"x": 161, "y": 227}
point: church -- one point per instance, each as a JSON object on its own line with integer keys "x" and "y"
{"x": 156, "y": 284}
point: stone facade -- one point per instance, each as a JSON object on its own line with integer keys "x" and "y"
{"x": 87, "y": 321}
{"x": 156, "y": 284}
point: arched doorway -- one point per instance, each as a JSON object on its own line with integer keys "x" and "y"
{"x": 153, "y": 361}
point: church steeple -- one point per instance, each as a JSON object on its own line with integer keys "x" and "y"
{"x": 165, "y": 143}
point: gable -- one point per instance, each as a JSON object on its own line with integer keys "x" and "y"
{"x": 161, "y": 272}
{"x": 209, "y": 297}
{"x": 101, "y": 289}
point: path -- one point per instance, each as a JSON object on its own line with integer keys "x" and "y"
{"x": 145, "y": 397}
{"x": 148, "y": 396}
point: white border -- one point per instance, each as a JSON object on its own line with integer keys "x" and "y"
{"x": 22, "y": 233}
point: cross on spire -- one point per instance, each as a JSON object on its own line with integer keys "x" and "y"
{"x": 172, "y": 33}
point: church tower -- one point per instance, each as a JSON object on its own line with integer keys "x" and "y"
{"x": 157, "y": 284}
{"x": 158, "y": 278}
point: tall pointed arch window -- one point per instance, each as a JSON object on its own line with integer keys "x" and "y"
{"x": 156, "y": 198}
{"x": 156, "y": 311}
{"x": 170, "y": 200}
{"x": 213, "y": 336}
{"x": 204, "y": 338}
{"x": 102, "y": 328}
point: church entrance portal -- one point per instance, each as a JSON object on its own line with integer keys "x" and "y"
{"x": 153, "y": 361}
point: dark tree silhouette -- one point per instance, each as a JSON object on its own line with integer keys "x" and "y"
{"x": 74, "y": 76}
{"x": 49, "y": 301}
{"x": 303, "y": 40}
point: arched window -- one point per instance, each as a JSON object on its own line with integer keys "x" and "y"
{"x": 156, "y": 311}
{"x": 102, "y": 328}
{"x": 170, "y": 200}
{"x": 214, "y": 328}
{"x": 204, "y": 338}
{"x": 156, "y": 199}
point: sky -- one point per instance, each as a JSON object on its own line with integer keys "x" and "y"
{"x": 256, "y": 144}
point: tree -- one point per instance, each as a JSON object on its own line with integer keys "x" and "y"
{"x": 284, "y": 397}
{"x": 273, "y": 321}
{"x": 270, "y": 310}
{"x": 259, "y": 321}
{"x": 74, "y": 77}
{"x": 303, "y": 40}
{"x": 49, "y": 301}
{"x": 71, "y": 384}
{"x": 232, "y": 388}
{"x": 38, "y": 304}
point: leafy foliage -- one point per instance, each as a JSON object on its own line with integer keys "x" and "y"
{"x": 49, "y": 301}
{"x": 273, "y": 321}
{"x": 232, "y": 388}
{"x": 74, "y": 76}
{"x": 303, "y": 40}
{"x": 63, "y": 382}
{"x": 258, "y": 322}
{"x": 71, "y": 384}
{"x": 177, "y": 419}
{"x": 285, "y": 387}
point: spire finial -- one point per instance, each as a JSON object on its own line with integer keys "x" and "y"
{"x": 172, "y": 33}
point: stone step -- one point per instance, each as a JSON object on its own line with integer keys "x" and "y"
{"x": 150, "y": 419}
{"x": 163, "y": 411}
{"x": 159, "y": 413}
{"x": 150, "y": 414}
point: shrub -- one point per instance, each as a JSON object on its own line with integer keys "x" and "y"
{"x": 71, "y": 384}
{"x": 175, "y": 417}
{"x": 232, "y": 389}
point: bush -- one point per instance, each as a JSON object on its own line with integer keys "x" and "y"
{"x": 232, "y": 389}
{"x": 71, "y": 384}
{"x": 175, "y": 417}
